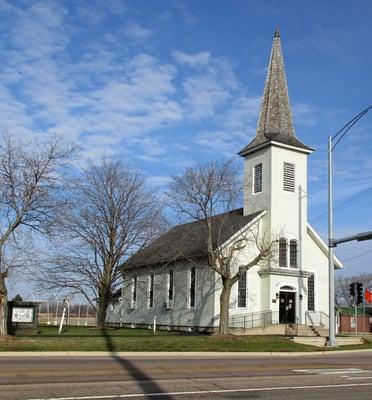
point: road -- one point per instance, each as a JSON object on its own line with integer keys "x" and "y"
{"x": 227, "y": 376}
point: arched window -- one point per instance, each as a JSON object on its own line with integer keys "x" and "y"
{"x": 293, "y": 251}
{"x": 282, "y": 252}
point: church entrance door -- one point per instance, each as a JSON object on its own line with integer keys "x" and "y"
{"x": 287, "y": 307}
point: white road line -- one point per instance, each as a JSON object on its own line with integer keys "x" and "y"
{"x": 265, "y": 389}
{"x": 333, "y": 371}
{"x": 359, "y": 377}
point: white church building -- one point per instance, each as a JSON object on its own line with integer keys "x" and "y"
{"x": 291, "y": 288}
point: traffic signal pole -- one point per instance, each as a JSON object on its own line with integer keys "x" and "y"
{"x": 356, "y": 307}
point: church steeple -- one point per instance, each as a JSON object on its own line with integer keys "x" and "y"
{"x": 275, "y": 121}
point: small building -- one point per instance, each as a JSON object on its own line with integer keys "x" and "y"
{"x": 170, "y": 278}
{"x": 347, "y": 322}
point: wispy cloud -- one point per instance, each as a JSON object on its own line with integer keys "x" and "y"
{"x": 183, "y": 10}
{"x": 135, "y": 31}
{"x": 192, "y": 60}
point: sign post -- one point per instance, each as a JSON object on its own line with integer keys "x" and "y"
{"x": 65, "y": 305}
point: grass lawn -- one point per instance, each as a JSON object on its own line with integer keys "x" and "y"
{"x": 91, "y": 339}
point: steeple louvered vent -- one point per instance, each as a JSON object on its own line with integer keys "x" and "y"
{"x": 289, "y": 177}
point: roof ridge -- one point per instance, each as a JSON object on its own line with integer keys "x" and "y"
{"x": 213, "y": 216}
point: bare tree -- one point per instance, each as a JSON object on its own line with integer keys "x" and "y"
{"x": 342, "y": 287}
{"x": 31, "y": 194}
{"x": 112, "y": 216}
{"x": 200, "y": 194}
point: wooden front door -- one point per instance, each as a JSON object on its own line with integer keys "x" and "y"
{"x": 287, "y": 307}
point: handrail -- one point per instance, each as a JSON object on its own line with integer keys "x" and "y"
{"x": 316, "y": 318}
{"x": 252, "y": 320}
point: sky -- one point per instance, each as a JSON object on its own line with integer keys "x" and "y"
{"x": 166, "y": 84}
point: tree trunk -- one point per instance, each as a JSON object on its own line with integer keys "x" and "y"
{"x": 224, "y": 307}
{"x": 104, "y": 301}
{"x": 3, "y": 305}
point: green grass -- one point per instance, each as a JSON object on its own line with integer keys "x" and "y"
{"x": 91, "y": 339}
{"x": 366, "y": 345}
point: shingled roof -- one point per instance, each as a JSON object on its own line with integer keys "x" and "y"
{"x": 275, "y": 121}
{"x": 188, "y": 241}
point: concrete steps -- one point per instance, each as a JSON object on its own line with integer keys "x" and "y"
{"x": 312, "y": 330}
{"x": 318, "y": 341}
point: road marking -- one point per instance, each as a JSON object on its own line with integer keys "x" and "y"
{"x": 333, "y": 371}
{"x": 359, "y": 377}
{"x": 265, "y": 389}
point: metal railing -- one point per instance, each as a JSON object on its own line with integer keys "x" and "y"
{"x": 317, "y": 318}
{"x": 253, "y": 320}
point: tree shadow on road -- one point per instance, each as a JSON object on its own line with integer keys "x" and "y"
{"x": 147, "y": 384}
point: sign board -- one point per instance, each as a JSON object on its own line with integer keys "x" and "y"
{"x": 23, "y": 314}
{"x": 352, "y": 322}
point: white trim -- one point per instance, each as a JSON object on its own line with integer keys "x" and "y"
{"x": 254, "y": 178}
{"x": 134, "y": 289}
{"x": 287, "y": 146}
{"x": 288, "y": 288}
{"x": 167, "y": 286}
{"x": 189, "y": 289}
{"x": 246, "y": 293}
{"x": 286, "y": 165}
{"x": 286, "y": 252}
{"x": 315, "y": 294}
{"x": 277, "y": 144}
{"x": 297, "y": 253}
{"x": 149, "y": 307}
{"x": 322, "y": 245}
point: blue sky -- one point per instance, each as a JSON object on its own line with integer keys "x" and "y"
{"x": 165, "y": 84}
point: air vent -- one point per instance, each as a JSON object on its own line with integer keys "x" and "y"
{"x": 289, "y": 177}
{"x": 257, "y": 178}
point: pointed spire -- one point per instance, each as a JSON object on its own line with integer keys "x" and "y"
{"x": 275, "y": 115}
{"x": 275, "y": 120}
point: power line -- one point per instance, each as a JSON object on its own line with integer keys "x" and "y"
{"x": 358, "y": 255}
{"x": 346, "y": 204}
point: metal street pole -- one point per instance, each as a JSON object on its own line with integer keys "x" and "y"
{"x": 331, "y": 272}
{"x": 365, "y": 236}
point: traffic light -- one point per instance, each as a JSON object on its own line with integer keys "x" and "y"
{"x": 359, "y": 293}
{"x": 352, "y": 289}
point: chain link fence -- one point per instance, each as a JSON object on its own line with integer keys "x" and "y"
{"x": 50, "y": 313}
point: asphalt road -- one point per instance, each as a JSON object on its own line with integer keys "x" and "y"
{"x": 337, "y": 376}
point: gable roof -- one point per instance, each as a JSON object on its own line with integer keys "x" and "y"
{"x": 188, "y": 241}
{"x": 275, "y": 121}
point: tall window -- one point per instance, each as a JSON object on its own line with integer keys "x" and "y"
{"x": 134, "y": 292}
{"x": 192, "y": 287}
{"x": 311, "y": 293}
{"x": 282, "y": 252}
{"x": 242, "y": 290}
{"x": 170, "y": 285}
{"x": 293, "y": 253}
{"x": 257, "y": 178}
{"x": 288, "y": 177}
{"x": 151, "y": 291}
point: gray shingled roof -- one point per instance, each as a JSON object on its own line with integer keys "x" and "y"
{"x": 275, "y": 120}
{"x": 188, "y": 241}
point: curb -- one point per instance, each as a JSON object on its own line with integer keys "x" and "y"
{"x": 175, "y": 354}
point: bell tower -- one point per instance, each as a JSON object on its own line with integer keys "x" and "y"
{"x": 275, "y": 161}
